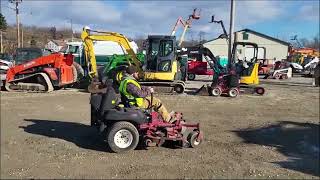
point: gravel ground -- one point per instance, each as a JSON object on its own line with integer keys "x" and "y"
{"x": 270, "y": 136}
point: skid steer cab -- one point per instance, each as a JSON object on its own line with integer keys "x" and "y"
{"x": 124, "y": 127}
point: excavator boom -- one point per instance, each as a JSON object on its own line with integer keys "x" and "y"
{"x": 88, "y": 37}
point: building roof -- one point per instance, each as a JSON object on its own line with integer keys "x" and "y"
{"x": 265, "y": 36}
{"x": 257, "y": 33}
{"x": 59, "y": 42}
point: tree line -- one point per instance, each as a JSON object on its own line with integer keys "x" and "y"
{"x": 39, "y": 36}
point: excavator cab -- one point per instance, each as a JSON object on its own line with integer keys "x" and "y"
{"x": 161, "y": 63}
{"x": 246, "y": 62}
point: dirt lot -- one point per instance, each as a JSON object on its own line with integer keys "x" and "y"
{"x": 270, "y": 136}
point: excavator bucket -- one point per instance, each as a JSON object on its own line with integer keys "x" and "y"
{"x": 203, "y": 91}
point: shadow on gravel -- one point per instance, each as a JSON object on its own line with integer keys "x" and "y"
{"x": 82, "y": 135}
{"x": 298, "y": 141}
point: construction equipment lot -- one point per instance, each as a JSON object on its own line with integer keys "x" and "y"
{"x": 47, "y": 135}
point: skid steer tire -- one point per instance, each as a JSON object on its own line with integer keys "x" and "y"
{"x": 122, "y": 137}
{"x": 75, "y": 73}
{"x": 80, "y": 71}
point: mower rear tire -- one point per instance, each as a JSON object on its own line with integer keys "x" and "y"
{"x": 193, "y": 141}
{"x": 233, "y": 92}
{"x": 122, "y": 137}
{"x": 216, "y": 91}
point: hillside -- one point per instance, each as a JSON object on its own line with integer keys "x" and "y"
{"x": 40, "y": 35}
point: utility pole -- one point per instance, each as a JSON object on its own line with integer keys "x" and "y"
{"x": 1, "y": 46}
{"x": 71, "y": 32}
{"x": 21, "y": 36}
{"x": 231, "y": 35}
{"x": 1, "y": 41}
{"x": 16, "y": 2}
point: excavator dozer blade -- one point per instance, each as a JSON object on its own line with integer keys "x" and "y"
{"x": 203, "y": 91}
{"x": 163, "y": 90}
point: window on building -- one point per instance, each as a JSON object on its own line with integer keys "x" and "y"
{"x": 245, "y": 36}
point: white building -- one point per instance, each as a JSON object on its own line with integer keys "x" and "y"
{"x": 269, "y": 48}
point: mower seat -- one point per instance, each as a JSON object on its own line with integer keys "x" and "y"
{"x": 125, "y": 114}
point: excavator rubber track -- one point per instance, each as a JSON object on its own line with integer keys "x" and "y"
{"x": 166, "y": 87}
{"x": 43, "y": 84}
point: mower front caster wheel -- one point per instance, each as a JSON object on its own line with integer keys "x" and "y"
{"x": 194, "y": 140}
{"x": 122, "y": 137}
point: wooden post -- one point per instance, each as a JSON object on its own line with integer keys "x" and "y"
{"x": 18, "y": 24}
{"x": 21, "y": 36}
{"x": 1, "y": 42}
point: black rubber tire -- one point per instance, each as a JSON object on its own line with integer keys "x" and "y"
{"x": 75, "y": 73}
{"x": 80, "y": 71}
{"x": 192, "y": 140}
{"x": 277, "y": 76}
{"x": 284, "y": 76}
{"x": 233, "y": 92}
{"x": 179, "y": 88}
{"x": 119, "y": 126}
{"x": 259, "y": 90}
{"x": 191, "y": 76}
{"x": 216, "y": 91}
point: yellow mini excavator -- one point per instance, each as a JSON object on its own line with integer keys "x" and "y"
{"x": 160, "y": 69}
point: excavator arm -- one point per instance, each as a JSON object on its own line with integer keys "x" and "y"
{"x": 88, "y": 37}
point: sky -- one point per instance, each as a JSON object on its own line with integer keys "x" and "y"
{"x": 277, "y": 18}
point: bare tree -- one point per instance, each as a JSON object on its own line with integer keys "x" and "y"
{"x": 311, "y": 43}
{"x": 53, "y": 32}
